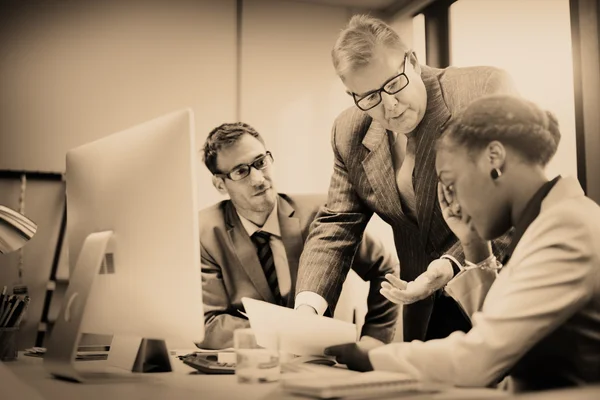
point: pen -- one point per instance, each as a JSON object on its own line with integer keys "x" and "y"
{"x": 7, "y": 305}
{"x": 7, "y": 310}
{"x": 22, "y": 312}
{"x": 14, "y": 314}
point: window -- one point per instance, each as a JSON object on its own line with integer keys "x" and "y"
{"x": 418, "y": 38}
{"x": 531, "y": 40}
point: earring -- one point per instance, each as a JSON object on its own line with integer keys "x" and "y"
{"x": 495, "y": 173}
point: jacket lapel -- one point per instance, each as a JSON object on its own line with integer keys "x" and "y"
{"x": 293, "y": 242}
{"x": 244, "y": 249}
{"x": 379, "y": 168}
{"x": 424, "y": 175}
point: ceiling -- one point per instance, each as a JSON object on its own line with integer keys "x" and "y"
{"x": 385, "y": 6}
{"x": 369, "y": 4}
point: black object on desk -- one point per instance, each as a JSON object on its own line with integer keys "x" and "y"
{"x": 84, "y": 353}
{"x": 207, "y": 363}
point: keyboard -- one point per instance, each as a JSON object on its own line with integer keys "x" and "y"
{"x": 208, "y": 363}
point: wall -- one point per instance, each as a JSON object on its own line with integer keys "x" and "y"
{"x": 74, "y": 72}
{"x": 71, "y": 74}
{"x": 290, "y": 91}
{"x": 533, "y": 44}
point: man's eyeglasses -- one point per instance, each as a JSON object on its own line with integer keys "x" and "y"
{"x": 242, "y": 171}
{"x": 392, "y": 86}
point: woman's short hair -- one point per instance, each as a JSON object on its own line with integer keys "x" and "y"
{"x": 357, "y": 42}
{"x": 221, "y": 137}
{"x": 514, "y": 121}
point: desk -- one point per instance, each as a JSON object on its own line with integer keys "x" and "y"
{"x": 185, "y": 383}
{"x": 182, "y": 383}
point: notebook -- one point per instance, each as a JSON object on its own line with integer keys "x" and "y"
{"x": 369, "y": 384}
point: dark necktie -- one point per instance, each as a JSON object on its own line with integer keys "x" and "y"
{"x": 265, "y": 256}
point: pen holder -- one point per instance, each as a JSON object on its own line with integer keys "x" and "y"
{"x": 8, "y": 344}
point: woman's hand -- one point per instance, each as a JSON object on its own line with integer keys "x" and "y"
{"x": 457, "y": 221}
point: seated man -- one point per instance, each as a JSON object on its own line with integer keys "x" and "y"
{"x": 251, "y": 244}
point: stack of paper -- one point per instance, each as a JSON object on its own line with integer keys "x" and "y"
{"x": 298, "y": 333}
{"x": 15, "y": 230}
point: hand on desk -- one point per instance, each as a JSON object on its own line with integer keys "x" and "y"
{"x": 355, "y": 355}
{"x": 439, "y": 272}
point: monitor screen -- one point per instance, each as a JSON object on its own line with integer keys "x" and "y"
{"x": 141, "y": 185}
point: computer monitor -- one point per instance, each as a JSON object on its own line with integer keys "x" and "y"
{"x": 133, "y": 239}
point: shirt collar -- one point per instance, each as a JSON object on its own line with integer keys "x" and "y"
{"x": 271, "y": 224}
{"x": 530, "y": 213}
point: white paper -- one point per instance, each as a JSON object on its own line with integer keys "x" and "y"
{"x": 123, "y": 351}
{"x": 299, "y": 333}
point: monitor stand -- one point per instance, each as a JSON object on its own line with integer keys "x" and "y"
{"x": 127, "y": 354}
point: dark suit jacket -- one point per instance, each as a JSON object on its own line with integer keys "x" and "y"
{"x": 363, "y": 182}
{"x": 231, "y": 269}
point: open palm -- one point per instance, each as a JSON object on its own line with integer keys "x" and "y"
{"x": 398, "y": 291}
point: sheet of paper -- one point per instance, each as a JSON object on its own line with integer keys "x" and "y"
{"x": 299, "y": 333}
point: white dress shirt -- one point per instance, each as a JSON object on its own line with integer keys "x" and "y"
{"x": 277, "y": 248}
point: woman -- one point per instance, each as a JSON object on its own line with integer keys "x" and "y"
{"x": 540, "y": 321}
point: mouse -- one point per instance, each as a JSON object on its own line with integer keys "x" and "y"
{"x": 319, "y": 360}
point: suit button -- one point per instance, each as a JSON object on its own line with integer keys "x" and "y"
{"x": 434, "y": 254}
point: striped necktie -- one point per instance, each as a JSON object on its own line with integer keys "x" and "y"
{"x": 265, "y": 256}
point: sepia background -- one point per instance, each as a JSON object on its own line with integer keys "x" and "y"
{"x": 75, "y": 71}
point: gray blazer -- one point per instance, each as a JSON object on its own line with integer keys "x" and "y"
{"x": 231, "y": 269}
{"x": 363, "y": 183}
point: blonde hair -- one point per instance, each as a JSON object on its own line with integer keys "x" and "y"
{"x": 357, "y": 43}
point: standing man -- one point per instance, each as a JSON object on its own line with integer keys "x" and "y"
{"x": 385, "y": 164}
{"x": 251, "y": 244}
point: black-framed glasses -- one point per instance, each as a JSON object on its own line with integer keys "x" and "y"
{"x": 242, "y": 171}
{"x": 391, "y": 86}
